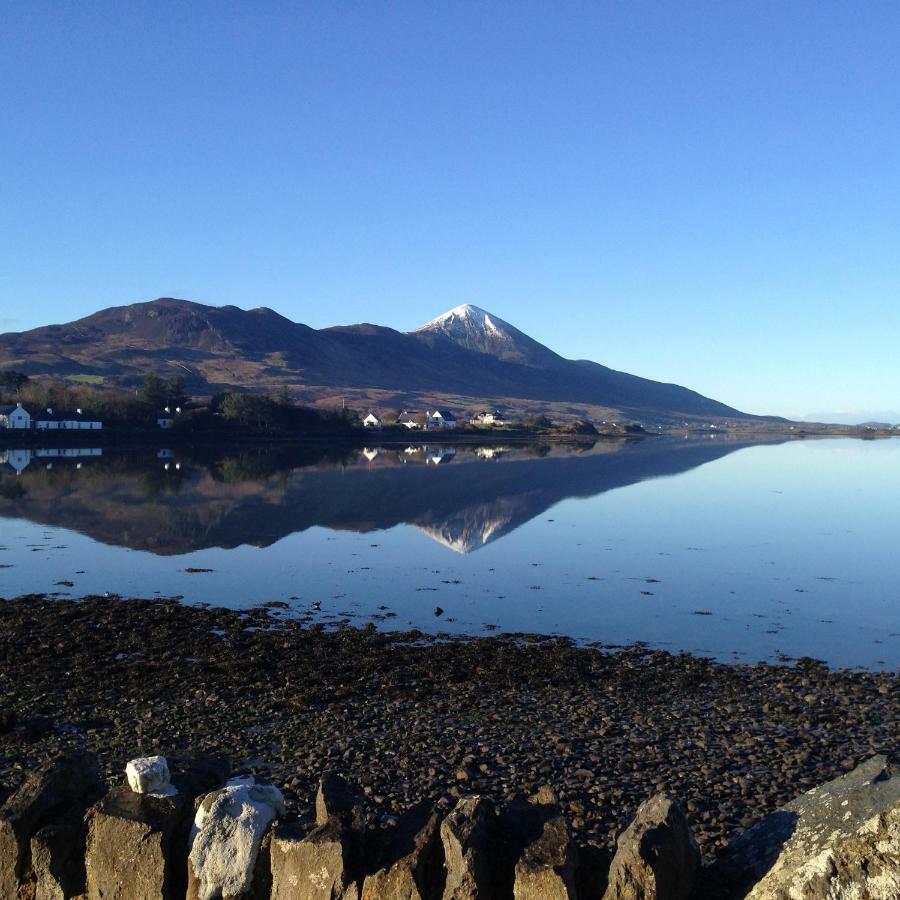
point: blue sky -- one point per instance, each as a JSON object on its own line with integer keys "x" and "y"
{"x": 706, "y": 193}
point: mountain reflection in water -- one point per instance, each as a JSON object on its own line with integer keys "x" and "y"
{"x": 774, "y": 551}
{"x": 174, "y": 502}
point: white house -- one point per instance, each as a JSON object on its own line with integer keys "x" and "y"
{"x": 408, "y": 420}
{"x": 15, "y": 417}
{"x": 440, "y": 418}
{"x": 371, "y": 453}
{"x": 81, "y": 421}
{"x": 77, "y": 421}
{"x": 487, "y": 418}
{"x": 372, "y": 421}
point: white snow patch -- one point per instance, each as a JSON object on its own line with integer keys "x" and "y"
{"x": 490, "y": 326}
{"x": 467, "y": 314}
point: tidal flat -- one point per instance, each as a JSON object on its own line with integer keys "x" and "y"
{"x": 409, "y": 716}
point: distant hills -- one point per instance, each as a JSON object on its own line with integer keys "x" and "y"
{"x": 465, "y": 358}
{"x": 870, "y": 418}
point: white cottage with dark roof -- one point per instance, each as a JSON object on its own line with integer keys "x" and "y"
{"x": 15, "y": 416}
{"x": 441, "y": 418}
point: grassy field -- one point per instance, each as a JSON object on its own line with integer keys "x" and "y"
{"x": 86, "y": 379}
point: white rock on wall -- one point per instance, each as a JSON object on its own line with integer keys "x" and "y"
{"x": 150, "y": 775}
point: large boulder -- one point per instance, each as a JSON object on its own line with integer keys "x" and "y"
{"x": 410, "y": 867}
{"x": 545, "y": 856}
{"x": 465, "y": 834}
{"x": 229, "y": 827}
{"x": 863, "y": 866}
{"x": 838, "y": 840}
{"x": 136, "y": 846}
{"x": 320, "y": 866}
{"x": 58, "y": 792}
{"x": 656, "y": 856}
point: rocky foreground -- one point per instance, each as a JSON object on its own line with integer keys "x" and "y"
{"x": 201, "y": 835}
{"x": 411, "y": 718}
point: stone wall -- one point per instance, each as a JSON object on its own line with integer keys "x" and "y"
{"x": 184, "y": 829}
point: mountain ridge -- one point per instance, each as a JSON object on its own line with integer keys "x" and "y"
{"x": 466, "y": 355}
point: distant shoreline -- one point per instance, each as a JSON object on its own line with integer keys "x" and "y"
{"x": 130, "y": 438}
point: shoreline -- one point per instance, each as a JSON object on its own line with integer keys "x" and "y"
{"x": 408, "y": 715}
{"x": 143, "y": 439}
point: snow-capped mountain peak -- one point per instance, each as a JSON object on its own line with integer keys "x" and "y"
{"x": 473, "y": 316}
{"x": 477, "y": 329}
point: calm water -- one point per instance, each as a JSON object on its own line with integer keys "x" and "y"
{"x": 742, "y": 552}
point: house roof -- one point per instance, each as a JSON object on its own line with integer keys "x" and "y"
{"x": 445, "y": 414}
{"x": 6, "y": 409}
{"x": 407, "y": 417}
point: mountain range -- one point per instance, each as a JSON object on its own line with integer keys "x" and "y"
{"x": 466, "y": 358}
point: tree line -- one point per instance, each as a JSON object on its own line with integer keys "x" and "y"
{"x": 117, "y": 407}
{"x": 145, "y": 404}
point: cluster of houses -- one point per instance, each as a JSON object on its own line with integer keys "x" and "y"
{"x": 19, "y": 418}
{"x": 434, "y": 420}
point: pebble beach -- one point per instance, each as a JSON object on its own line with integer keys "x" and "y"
{"x": 409, "y": 716}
